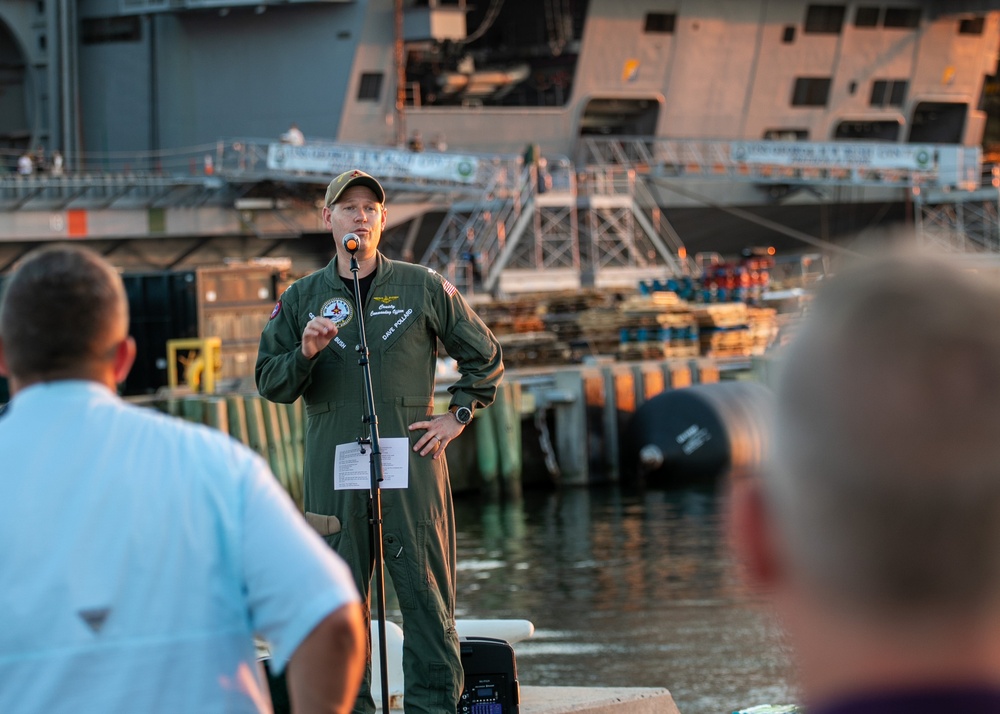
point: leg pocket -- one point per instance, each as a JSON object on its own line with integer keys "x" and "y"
{"x": 445, "y": 690}
{"x": 437, "y": 582}
{"x": 422, "y": 571}
{"x": 402, "y": 562}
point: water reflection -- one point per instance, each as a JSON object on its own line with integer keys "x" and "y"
{"x": 624, "y": 589}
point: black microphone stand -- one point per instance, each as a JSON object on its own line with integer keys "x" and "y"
{"x": 375, "y": 502}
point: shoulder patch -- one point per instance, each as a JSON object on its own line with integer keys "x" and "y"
{"x": 448, "y": 287}
{"x": 276, "y": 310}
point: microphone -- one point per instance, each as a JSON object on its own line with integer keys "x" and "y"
{"x": 351, "y": 243}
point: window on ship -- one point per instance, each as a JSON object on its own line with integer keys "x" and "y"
{"x": 811, "y": 92}
{"x": 971, "y": 26}
{"x": 370, "y": 87}
{"x": 906, "y": 17}
{"x": 786, "y": 134}
{"x": 824, "y": 19}
{"x": 938, "y": 123}
{"x": 512, "y": 55}
{"x": 889, "y": 92}
{"x": 660, "y": 22}
{"x": 867, "y": 16}
{"x": 878, "y": 130}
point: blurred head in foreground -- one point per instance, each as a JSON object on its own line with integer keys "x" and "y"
{"x": 64, "y": 315}
{"x": 876, "y": 528}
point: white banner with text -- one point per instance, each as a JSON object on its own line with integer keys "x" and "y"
{"x": 380, "y": 163}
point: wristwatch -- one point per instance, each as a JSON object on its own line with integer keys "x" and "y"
{"x": 463, "y": 415}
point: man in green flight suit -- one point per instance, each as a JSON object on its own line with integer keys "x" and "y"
{"x": 307, "y": 349}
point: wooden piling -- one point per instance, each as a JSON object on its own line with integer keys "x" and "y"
{"x": 217, "y": 414}
{"x": 296, "y": 440}
{"x": 193, "y": 410}
{"x": 236, "y": 411}
{"x": 571, "y": 422}
{"x": 275, "y": 442}
{"x": 487, "y": 451}
{"x": 620, "y": 407}
{"x": 677, "y": 374}
{"x": 705, "y": 371}
{"x": 650, "y": 381}
{"x": 256, "y": 433}
{"x": 507, "y": 431}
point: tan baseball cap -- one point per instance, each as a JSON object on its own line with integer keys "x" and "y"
{"x": 352, "y": 178}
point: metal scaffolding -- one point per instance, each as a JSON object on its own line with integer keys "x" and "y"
{"x": 960, "y": 221}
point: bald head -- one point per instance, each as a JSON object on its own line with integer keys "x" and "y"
{"x": 886, "y": 481}
{"x": 63, "y": 315}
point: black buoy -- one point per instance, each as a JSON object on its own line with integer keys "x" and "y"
{"x": 696, "y": 434}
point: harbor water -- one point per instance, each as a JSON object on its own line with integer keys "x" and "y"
{"x": 625, "y": 589}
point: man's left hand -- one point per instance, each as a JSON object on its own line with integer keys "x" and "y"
{"x": 440, "y": 430}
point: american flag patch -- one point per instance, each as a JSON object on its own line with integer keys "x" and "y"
{"x": 448, "y": 287}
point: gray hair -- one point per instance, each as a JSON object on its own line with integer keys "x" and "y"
{"x": 885, "y": 481}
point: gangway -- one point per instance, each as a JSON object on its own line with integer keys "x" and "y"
{"x": 832, "y": 163}
{"x": 955, "y": 202}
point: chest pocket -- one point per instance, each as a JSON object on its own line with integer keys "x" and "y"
{"x": 394, "y": 332}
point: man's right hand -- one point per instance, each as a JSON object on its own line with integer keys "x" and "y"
{"x": 317, "y": 335}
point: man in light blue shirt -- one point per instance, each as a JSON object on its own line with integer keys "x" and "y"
{"x": 141, "y": 554}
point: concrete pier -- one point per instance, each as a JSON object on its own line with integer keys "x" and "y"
{"x": 596, "y": 700}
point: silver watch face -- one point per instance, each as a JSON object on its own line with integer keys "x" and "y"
{"x": 463, "y": 415}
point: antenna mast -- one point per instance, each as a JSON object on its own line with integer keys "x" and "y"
{"x": 400, "y": 77}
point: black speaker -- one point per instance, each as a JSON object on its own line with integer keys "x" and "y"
{"x": 490, "y": 677}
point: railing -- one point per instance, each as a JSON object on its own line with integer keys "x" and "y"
{"x": 191, "y": 160}
{"x": 878, "y": 163}
{"x": 505, "y": 227}
{"x": 206, "y": 171}
{"x": 241, "y": 157}
{"x": 668, "y": 243}
{"x": 791, "y": 162}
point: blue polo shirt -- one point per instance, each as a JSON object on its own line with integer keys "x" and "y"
{"x": 140, "y": 555}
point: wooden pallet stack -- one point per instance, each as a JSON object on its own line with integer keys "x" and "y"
{"x": 568, "y": 327}
{"x": 534, "y": 349}
{"x": 657, "y": 326}
{"x": 582, "y": 320}
{"x": 723, "y": 329}
{"x": 762, "y": 323}
{"x": 514, "y": 316}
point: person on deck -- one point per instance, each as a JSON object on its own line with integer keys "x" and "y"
{"x": 294, "y": 136}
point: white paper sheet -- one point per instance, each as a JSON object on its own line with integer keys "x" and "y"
{"x": 352, "y": 469}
